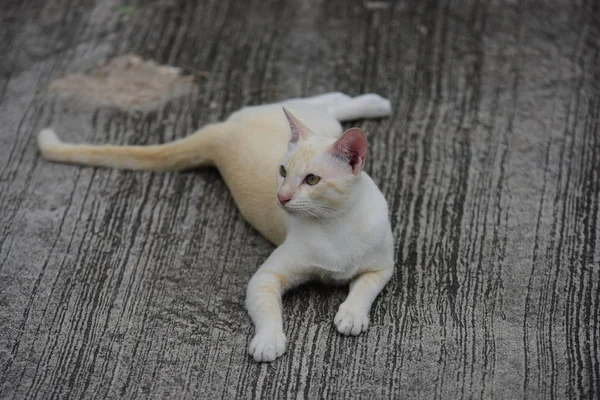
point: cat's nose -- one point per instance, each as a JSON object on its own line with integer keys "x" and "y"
{"x": 283, "y": 199}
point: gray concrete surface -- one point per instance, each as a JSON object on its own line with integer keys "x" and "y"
{"x": 117, "y": 284}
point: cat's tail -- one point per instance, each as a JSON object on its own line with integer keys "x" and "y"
{"x": 193, "y": 151}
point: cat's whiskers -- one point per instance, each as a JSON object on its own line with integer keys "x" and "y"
{"x": 318, "y": 211}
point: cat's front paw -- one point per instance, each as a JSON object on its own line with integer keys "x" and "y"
{"x": 267, "y": 346}
{"x": 350, "y": 321}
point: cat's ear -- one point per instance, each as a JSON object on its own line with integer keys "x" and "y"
{"x": 352, "y": 148}
{"x": 299, "y": 130}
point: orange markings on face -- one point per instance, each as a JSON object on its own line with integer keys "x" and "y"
{"x": 335, "y": 187}
{"x": 320, "y": 193}
{"x": 301, "y": 157}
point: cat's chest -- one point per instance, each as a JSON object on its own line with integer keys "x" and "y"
{"x": 334, "y": 252}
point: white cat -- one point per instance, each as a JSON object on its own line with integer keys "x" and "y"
{"x": 327, "y": 216}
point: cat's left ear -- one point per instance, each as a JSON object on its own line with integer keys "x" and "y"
{"x": 299, "y": 130}
{"x": 352, "y": 148}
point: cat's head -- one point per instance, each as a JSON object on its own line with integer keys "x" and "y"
{"x": 317, "y": 175}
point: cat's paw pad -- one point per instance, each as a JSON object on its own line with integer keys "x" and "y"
{"x": 375, "y": 105}
{"x": 267, "y": 346}
{"x": 351, "y": 322}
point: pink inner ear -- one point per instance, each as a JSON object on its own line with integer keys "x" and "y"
{"x": 299, "y": 130}
{"x": 352, "y": 147}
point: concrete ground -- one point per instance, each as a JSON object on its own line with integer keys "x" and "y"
{"x": 118, "y": 284}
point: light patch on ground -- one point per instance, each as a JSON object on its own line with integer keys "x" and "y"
{"x": 127, "y": 82}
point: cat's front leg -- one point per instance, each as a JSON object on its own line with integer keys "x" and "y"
{"x": 263, "y": 301}
{"x": 352, "y": 317}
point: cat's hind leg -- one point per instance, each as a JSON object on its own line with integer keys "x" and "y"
{"x": 328, "y": 99}
{"x": 321, "y": 100}
{"x": 365, "y": 106}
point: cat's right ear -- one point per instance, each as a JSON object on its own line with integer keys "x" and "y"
{"x": 299, "y": 130}
{"x": 352, "y": 148}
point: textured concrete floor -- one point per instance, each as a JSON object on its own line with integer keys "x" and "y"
{"x": 130, "y": 284}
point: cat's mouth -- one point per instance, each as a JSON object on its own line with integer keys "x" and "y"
{"x": 290, "y": 208}
{"x": 298, "y": 210}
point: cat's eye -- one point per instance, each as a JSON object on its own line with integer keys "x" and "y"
{"x": 312, "y": 179}
{"x": 282, "y": 171}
